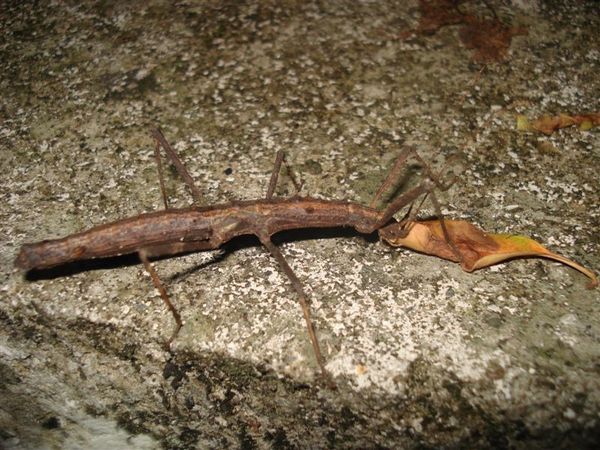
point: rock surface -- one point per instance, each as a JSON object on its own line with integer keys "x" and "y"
{"x": 424, "y": 355}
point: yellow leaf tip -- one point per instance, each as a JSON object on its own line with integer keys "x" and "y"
{"x": 522, "y": 123}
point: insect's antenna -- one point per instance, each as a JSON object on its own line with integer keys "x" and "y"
{"x": 176, "y": 161}
{"x": 437, "y": 177}
{"x": 279, "y": 159}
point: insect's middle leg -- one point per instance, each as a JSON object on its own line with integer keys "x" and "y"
{"x": 143, "y": 255}
{"x": 303, "y": 299}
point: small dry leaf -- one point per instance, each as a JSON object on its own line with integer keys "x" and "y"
{"x": 436, "y": 14}
{"x": 360, "y": 369}
{"x": 549, "y": 124}
{"x": 489, "y": 39}
{"x": 476, "y": 247}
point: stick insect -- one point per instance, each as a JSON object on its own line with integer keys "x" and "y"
{"x": 175, "y": 231}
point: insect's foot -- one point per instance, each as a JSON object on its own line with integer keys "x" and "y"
{"x": 167, "y": 346}
{"x": 327, "y": 379}
{"x": 330, "y": 384}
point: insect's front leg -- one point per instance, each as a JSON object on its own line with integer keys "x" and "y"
{"x": 426, "y": 189}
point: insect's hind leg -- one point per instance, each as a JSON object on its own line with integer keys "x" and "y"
{"x": 437, "y": 178}
{"x": 161, "y": 141}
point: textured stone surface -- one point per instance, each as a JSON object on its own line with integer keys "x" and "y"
{"x": 424, "y": 355}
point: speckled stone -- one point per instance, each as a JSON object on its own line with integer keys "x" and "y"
{"x": 424, "y": 355}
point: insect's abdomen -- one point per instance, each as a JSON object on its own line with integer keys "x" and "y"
{"x": 117, "y": 238}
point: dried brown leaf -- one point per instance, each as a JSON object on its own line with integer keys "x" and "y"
{"x": 489, "y": 38}
{"x": 436, "y": 14}
{"x": 549, "y": 124}
{"x": 477, "y": 248}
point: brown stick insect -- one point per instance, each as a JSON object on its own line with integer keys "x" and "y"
{"x": 176, "y": 231}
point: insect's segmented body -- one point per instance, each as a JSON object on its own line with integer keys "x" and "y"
{"x": 175, "y": 231}
{"x": 178, "y": 230}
